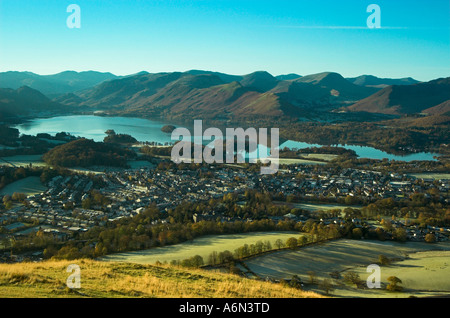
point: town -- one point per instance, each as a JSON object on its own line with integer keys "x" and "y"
{"x": 77, "y": 202}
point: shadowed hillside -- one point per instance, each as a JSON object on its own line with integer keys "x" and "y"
{"x": 406, "y": 99}
{"x": 119, "y": 280}
{"x": 26, "y": 101}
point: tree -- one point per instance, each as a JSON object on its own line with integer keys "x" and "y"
{"x": 225, "y": 257}
{"x": 430, "y": 238}
{"x": 8, "y": 205}
{"x": 20, "y": 197}
{"x": 353, "y": 278}
{"x": 279, "y": 244}
{"x": 296, "y": 282}
{"x": 292, "y": 242}
{"x": 326, "y": 285}
{"x": 194, "y": 261}
{"x": 357, "y": 233}
{"x": 312, "y": 277}
{"x": 383, "y": 259}
{"x": 302, "y": 240}
{"x": 400, "y": 234}
{"x": 393, "y": 284}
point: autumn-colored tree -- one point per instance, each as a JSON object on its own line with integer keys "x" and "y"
{"x": 400, "y": 234}
{"x": 393, "y": 284}
{"x": 357, "y": 233}
{"x": 383, "y": 259}
{"x": 430, "y": 238}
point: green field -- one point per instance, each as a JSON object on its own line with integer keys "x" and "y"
{"x": 326, "y": 157}
{"x": 435, "y": 176}
{"x": 289, "y": 161}
{"x": 420, "y": 272}
{"x": 28, "y": 186}
{"x": 322, "y": 207}
{"x": 139, "y": 164}
{"x": 202, "y": 246}
{"x": 24, "y": 160}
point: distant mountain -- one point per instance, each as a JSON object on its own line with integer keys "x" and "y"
{"x": 56, "y": 84}
{"x": 176, "y": 95}
{"x": 337, "y": 86}
{"x": 406, "y": 99}
{"x": 261, "y": 81}
{"x": 207, "y": 94}
{"x": 304, "y": 94}
{"x": 287, "y": 77}
{"x": 114, "y": 93}
{"x": 26, "y": 101}
{"x": 373, "y": 81}
{"x": 226, "y": 78}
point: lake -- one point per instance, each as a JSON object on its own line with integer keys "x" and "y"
{"x": 366, "y": 152}
{"x": 94, "y": 127}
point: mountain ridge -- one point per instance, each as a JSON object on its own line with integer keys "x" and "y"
{"x": 54, "y": 84}
{"x": 26, "y": 101}
{"x": 405, "y": 99}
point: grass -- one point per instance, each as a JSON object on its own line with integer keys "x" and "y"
{"x": 322, "y": 207}
{"x": 289, "y": 161}
{"x": 422, "y": 273}
{"x": 120, "y": 280}
{"x": 435, "y": 176}
{"x": 24, "y": 160}
{"x": 326, "y": 157}
{"x": 353, "y": 255}
{"x": 28, "y": 186}
{"x": 202, "y": 246}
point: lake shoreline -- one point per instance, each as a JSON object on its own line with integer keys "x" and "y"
{"x": 149, "y": 130}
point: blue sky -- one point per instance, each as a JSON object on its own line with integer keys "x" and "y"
{"x": 235, "y": 37}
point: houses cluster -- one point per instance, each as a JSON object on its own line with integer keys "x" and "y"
{"x": 370, "y": 185}
{"x": 62, "y": 209}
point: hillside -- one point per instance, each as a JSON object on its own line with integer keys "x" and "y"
{"x": 184, "y": 95}
{"x": 287, "y": 77}
{"x": 338, "y": 86}
{"x": 226, "y": 78}
{"x": 220, "y": 96}
{"x": 405, "y": 99}
{"x": 260, "y": 81}
{"x": 217, "y": 95}
{"x": 119, "y": 280}
{"x": 26, "y": 101}
{"x": 373, "y": 81}
{"x": 85, "y": 152}
{"x": 55, "y": 84}
{"x": 441, "y": 109}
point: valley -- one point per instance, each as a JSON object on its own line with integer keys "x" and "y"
{"x": 87, "y": 176}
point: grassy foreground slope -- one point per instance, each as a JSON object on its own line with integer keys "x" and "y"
{"x": 106, "y": 279}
